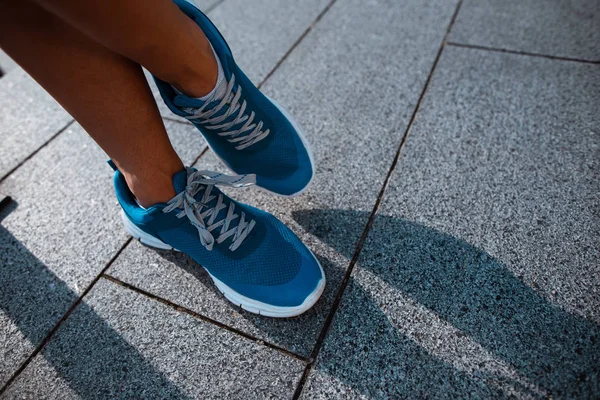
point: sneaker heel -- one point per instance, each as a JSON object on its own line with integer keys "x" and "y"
{"x": 142, "y": 236}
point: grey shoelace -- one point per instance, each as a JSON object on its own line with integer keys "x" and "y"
{"x": 198, "y": 211}
{"x": 216, "y": 123}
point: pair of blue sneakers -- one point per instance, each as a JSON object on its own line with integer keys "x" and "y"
{"x": 252, "y": 257}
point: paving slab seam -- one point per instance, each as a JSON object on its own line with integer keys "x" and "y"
{"x": 2, "y": 73}
{"x": 51, "y": 333}
{"x": 281, "y": 60}
{"x": 128, "y": 241}
{"x": 522, "y": 53}
{"x": 338, "y": 297}
{"x": 62, "y": 319}
{"x": 204, "y": 151}
{"x": 46, "y": 143}
{"x": 206, "y": 319}
{"x": 90, "y": 286}
{"x": 297, "y": 42}
{"x": 207, "y": 11}
{"x": 287, "y": 53}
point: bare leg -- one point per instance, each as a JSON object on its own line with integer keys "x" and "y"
{"x": 104, "y": 91}
{"x": 154, "y": 34}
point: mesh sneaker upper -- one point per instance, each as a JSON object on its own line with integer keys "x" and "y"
{"x": 280, "y": 159}
{"x": 272, "y": 255}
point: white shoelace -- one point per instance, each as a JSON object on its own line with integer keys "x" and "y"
{"x": 193, "y": 209}
{"x": 216, "y": 123}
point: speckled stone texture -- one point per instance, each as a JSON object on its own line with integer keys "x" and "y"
{"x": 480, "y": 277}
{"x": 562, "y": 28}
{"x": 120, "y": 344}
{"x": 259, "y": 33}
{"x": 6, "y": 63}
{"x": 59, "y": 231}
{"x": 205, "y": 5}
{"x": 28, "y": 118}
{"x": 354, "y": 144}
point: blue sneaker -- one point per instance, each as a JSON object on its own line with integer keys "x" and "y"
{"x": 252, "y": 257}
{"x": 249, "y": 132}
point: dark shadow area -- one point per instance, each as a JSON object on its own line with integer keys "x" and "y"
{"x": 298, "y": 334}
{"x": 93, "y": 359}
{"x": 366, "y": 352}
{"x": 556, "y": 351}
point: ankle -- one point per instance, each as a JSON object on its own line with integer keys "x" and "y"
{"x": 159, "y": 190}
{"x": 151, "y": 186}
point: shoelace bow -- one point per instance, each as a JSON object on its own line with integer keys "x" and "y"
{"x": 216, "y": 123}
{"x": 193, "y": 209}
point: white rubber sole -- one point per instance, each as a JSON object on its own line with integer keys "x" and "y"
{"x": 242, "y": 301}
{"x": 304, "y": 142}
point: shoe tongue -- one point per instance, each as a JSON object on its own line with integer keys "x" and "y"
{"x": 180, "y": 181}
{"x": 215, "y": 96}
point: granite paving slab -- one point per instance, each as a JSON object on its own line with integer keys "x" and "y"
{"x": 330, "y": 83}
{"x": 177, "y": 278}
{"x": 259, "y": 33}
{"x": 28, "y": 118}
{"x": 121, "y": 344}
{"x": 480, "y": 277}
{"x": 6, "y": 63}
{"x": 59, "y": 231}
{"x": 552, "y": 27}
{"x": 205, "y": 5}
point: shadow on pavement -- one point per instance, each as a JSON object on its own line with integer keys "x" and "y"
{"x": 296, "y": 334}
{"x": 93, "y": 359}
{"x": 429, "y": 315}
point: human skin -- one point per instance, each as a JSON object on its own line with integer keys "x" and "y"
{"x": 88, "y": 56}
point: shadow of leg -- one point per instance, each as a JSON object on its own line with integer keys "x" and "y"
{"x": 530, "y": 343}
{"x": 92, "y": 358}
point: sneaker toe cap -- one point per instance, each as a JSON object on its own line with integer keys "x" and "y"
{"x": 304, "y": 287}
